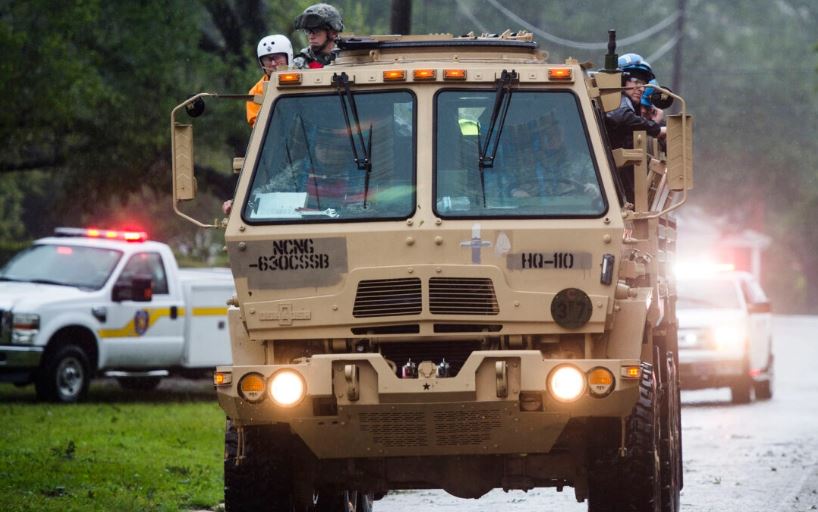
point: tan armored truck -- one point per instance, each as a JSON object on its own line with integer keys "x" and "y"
{"x": 439, "y": 284}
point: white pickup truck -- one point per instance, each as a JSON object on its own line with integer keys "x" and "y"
{"x": 89, "y": 302}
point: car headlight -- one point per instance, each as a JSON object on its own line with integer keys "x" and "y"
{"x": 729, "y": 338}
{"x": 566, "y": 383}
{"x": 24, "y": 328}
{"x": 287, "y": 388}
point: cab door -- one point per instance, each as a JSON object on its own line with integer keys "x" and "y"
{"x": 760, "y": 324}
{"x": 142, "y": 334}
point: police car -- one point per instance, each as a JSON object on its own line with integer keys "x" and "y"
{"x": 92, "y": 302}
{"x": 725, "y": 333}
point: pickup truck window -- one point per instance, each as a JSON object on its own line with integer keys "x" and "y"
{"x": 307, "y": 170}
{"x": 146, "y": 264}
{"x": 66, "y": 265}
{"x": 542, "y": 164}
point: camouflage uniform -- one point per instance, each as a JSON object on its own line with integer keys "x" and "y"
{"x": 306, "y": 58}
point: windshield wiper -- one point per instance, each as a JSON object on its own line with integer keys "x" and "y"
{"x": 502, "y": 99}
{"x": 4, "y": 278}
{"x": 313, "y": 172}
{"x": 364, "y": 160}
{"x": 51, "y": 281}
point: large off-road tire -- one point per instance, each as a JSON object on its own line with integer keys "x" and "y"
{"x": 671, "y": 437}
{"x": 139, "y": 383}
{"x": 64, "y": 375}
{"x": 632, "y": 483}
{"x": 261, "y": 480}
{"x": 344, "y": 501}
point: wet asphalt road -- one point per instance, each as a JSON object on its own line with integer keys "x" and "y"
{"x": 761, "y": 456}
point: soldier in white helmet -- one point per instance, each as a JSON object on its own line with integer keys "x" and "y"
{"x": 274, "y": 52}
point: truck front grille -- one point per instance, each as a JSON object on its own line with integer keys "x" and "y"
{"x": 417, "y": 428}
{"x": 388, "y": 297}
{"x": 396, "y": 429}
{"x": 462, "y": 296}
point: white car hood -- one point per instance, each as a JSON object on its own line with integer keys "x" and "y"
{"x": 706, "y": 317}
{"x": 30, "y": 296}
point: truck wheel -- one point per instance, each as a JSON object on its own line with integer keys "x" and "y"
{"x": 139, "y": 383}
{"x": 64, "y": 375}
{"x": 345, "y": 501}
{"x": 764, "y": 388}
{"x": 671, "y": 447}
{"x": 261, "y": 479}
{"x": 632, "y": 483}
{"x": 740, "y": 392}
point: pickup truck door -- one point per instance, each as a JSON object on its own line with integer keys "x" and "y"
{"x": 148, "y": 335}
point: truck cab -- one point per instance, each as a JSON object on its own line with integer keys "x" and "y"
{"x": 440, "y": 285}
{"x": 89, "y": 302}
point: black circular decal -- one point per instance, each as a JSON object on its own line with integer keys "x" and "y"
{"x": 571, "y": 308}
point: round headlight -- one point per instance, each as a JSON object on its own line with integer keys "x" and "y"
{"x": 600, "y": 382}
{"x": 251, "y": 387}
{"x": 287, "y": 388}
{"x": 566, "y": 383}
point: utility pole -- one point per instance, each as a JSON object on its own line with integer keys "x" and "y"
{"x": 677, "y": 51}
{"x": 401, "y": 20}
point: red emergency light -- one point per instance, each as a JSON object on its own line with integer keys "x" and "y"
{"x": 108, "y": 234}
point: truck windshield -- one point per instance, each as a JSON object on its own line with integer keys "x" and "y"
{"x": 706, "y": 293}
{"x": 307, "y": 170}
{"x": 66, "y": 265}
{"x": 543, "y": 165}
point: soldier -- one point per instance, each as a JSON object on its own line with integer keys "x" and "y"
{"x": 321, "y": 23}
{"x": 273, "y": 52}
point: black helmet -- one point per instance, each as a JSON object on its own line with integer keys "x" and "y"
{"x": 320, "y": 16}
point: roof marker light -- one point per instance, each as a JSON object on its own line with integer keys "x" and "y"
{"x": 289, "y": 78}
{"x": 560, "y": 74}
{"x": 454, "y": 74}
{"x": 424, "y": 74}
{"x": 394, "y": 75}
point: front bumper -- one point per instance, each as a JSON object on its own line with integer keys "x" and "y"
{"x": 703, "y": 369}
{"x": 460, "y": 415}
{"x": 17, "y": 363}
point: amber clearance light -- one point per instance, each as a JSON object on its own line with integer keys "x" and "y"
{"x": 454, "y": 74}
{"x": 559, "y": 74}
{"x": 394, "y": 75}
{"x": 424, "y": 74}
{"x": 289, "y": 78}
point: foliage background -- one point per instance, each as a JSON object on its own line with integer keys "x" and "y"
{"x": 87, "y": 87}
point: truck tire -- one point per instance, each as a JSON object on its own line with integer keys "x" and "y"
{"x": 632, "y": 483}
{"x": 260, "y": 480}
{"x": 139, "y": 383}
{"x": 671, "y": 438}
{"x": 740, "y": 391}
{"x": 64, "y": 375}
{"x": 345, "y": 501}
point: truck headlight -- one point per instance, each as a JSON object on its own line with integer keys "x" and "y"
{"x": 729, "y": 338}
{"x": 566, "y": 383}
{"x": 287, "y": 388}
{"x": 24, "y": 328}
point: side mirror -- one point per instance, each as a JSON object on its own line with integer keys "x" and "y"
{"x": 184, "y": 184}
{"x": 680, "y": 152}
{"x": 139, "y": 289}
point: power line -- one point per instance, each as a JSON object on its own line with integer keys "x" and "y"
{"x": 577, "y": 44}
{"x": 663, "y": 49}
{"x": 467, "y": 13}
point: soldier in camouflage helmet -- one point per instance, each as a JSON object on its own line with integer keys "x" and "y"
{"x": 321, "y": 23}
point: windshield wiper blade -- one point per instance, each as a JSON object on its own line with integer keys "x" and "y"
{"x": 313, "y": 172}
{"x": 502, "y": 100}
{"x": 50, "y": 281}
{"x": 364, "y": 160}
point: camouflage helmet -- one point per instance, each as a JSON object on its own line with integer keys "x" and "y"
{"x": 320, "y": 16}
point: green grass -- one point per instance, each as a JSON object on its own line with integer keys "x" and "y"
{"x": 117, "y": 451}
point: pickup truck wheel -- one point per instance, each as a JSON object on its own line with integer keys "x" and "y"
{"x": 139, "y": 383}
{"x": 740, "y": 392}
{"x": 260, "y": 478}
{"x": 64, "y": 375}
{"x": 632, "y": 483}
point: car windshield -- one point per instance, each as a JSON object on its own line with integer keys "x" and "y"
{"x": 307, "y": 170}
{"x": 66, "y": 265}
{"x": 542, "y": 167}
{"x": 707, "y": 294}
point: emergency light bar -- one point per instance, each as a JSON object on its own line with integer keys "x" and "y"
{"x": 107, "y": 234}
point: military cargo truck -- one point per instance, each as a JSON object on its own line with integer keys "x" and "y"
{"x": 440, "y": 285}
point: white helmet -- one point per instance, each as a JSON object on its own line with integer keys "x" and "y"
{"x": 274, "y": 44}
